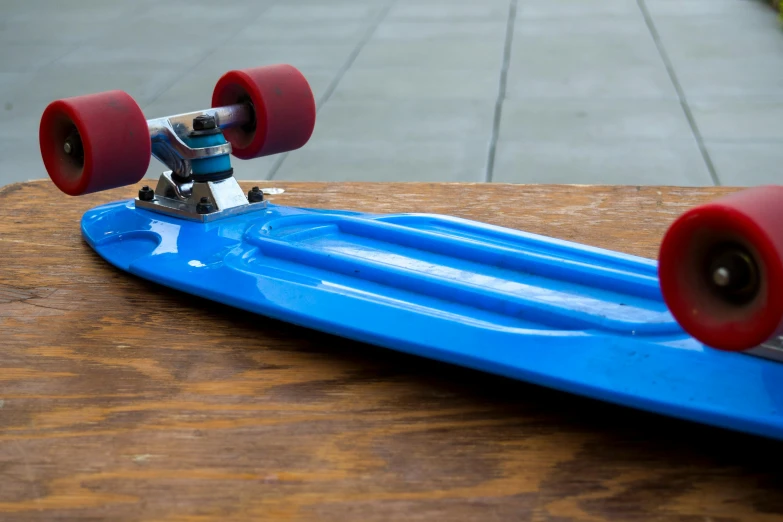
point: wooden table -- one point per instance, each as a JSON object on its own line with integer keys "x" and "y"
{"x": 122, "y": 400}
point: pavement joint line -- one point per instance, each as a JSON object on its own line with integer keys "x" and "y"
{"x": 680, "y": 92}
{"x": 371, "y": 28}
{"x": 493, "y": 139}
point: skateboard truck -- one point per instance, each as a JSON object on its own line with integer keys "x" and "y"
{"x": 200, "y": 185}
{"x": 772, "y": 350}
{"x": 102, "y": 141}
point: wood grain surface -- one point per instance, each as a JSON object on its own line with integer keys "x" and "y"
{"x": 122, "y": 400}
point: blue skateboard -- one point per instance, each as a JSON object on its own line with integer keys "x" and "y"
{"x": 693, "y": 335}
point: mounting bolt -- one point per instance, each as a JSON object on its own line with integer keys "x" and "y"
{"x": 204, "y": 206}
{"x": 255, "y": 195}
{"x": 204, "y": 122}
{"x": 146, "y": 193}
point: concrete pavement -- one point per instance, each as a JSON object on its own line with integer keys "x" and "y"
{"x": 680, "y": 92}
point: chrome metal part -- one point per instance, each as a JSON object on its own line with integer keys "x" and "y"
{"x": 181, "y": 200}
{"x": 166, "y": 135}
{"x": 184, "y": 199}
{"x": 770, "y": 350}
{"x": 225, "y": 117}
{"x": 171, "y": 189}
{"x": 721, "y": 276}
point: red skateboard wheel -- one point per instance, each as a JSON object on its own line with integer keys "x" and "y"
{"x": 94, "y": 142}
{"x": 721, "y": 269}
{"x": 283, "y": 105}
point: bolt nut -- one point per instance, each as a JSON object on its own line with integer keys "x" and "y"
{"x": 204, "y": 206}
{"x": 204, "y": 122}
{"x": 73, "y": 146}
{"x": 255, "y": 195}
{"x": 146, "y": 193}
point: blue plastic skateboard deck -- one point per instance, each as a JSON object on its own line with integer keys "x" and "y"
{"x": 554, "y": 313}
{"x": 545, "y": 311}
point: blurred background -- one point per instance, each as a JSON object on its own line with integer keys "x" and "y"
{"x": 675, "y": 92}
